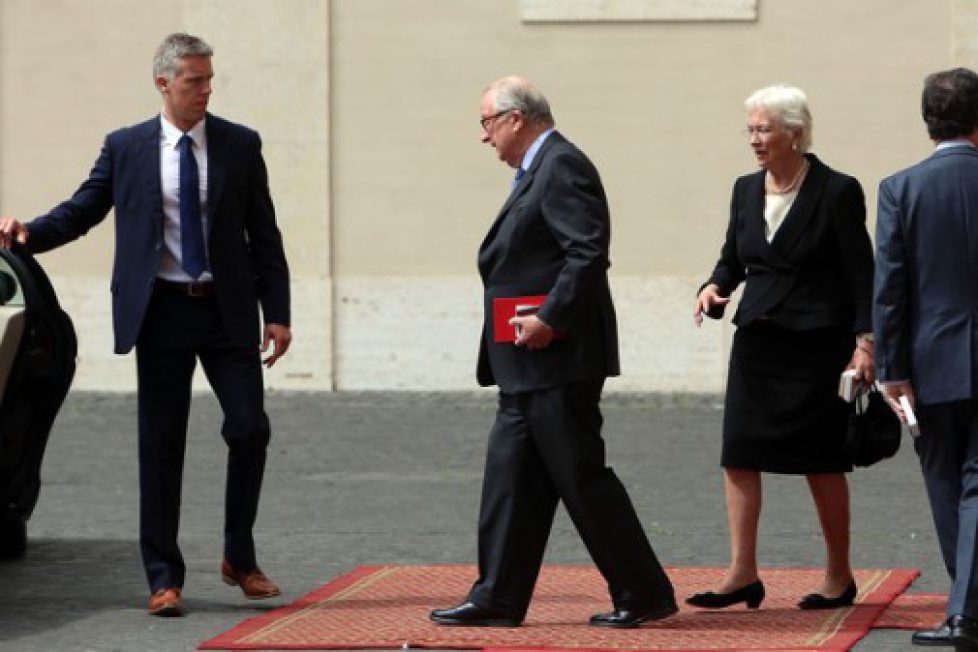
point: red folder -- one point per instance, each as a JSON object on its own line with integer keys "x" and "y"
{"x": 504, "y": 309}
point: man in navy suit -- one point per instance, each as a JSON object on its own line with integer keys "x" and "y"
{"x": 550, "y": 239}
{"x": 925, "y": 318}
{"x": 197, "y": 251}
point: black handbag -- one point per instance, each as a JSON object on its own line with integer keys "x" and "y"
{"x": 873, "y": 432}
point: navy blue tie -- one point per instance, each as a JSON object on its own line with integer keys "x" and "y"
{"x": 519, "y": 175}
{"x": 194, "y": 258}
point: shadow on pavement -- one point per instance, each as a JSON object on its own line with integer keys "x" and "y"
{"x": 62, "y": 580}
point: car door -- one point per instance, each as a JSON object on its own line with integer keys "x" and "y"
{"x": 37, "y": 363}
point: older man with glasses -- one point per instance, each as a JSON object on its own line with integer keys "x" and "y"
{"x": 549, "y": 341}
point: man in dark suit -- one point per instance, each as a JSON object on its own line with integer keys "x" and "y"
{"x": 925, "y": 314}
{"x": 197, "y": 250}
{"x": 550, "y": 238}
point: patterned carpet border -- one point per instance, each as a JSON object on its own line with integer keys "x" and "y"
{"x": 914, "y": 611}
{"x": 386, "y": 607}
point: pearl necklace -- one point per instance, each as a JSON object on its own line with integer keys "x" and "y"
{"x": 791, "y": 186}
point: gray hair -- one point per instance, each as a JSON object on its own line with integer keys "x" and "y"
{"x": 174, "y": 47}
{"x": 516, "y": 93}
{"x": 789, "y": 106}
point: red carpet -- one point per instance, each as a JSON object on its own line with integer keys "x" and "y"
{"x": 913, "y": 611}
{"x": 387, "y": 607}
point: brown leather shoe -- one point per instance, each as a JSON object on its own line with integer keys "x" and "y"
{"x": 253, "y": 583}
{"x": 166, "y": 602}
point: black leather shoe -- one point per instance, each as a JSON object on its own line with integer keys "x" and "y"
{"x": 752, "y": 594}
{"x": 819, "y": 601}
{"x": 937, "y": 636}
{"x": 964, "y": 632}
{"x": 628, "y": 618}
{"x": 469, "y": 614}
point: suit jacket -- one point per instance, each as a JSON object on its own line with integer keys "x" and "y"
{"x": 551, "y": 237}
{"x": 245, "y": 249}
{"x": 925, "y": 303}
{"x": 817, "y": 271}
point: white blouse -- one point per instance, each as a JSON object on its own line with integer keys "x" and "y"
{"x": 776, "y": 206}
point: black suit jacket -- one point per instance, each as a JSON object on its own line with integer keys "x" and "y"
{"x": 925, "y": 307}
{"x": 551, "y": 237}
{"x": 818, "y": 269}
{"x": 245, "y": 249}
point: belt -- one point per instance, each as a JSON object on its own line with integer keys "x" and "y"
{"x": 192, "y": 289}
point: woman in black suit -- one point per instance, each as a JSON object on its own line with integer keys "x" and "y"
{"x": 797, "y": 236}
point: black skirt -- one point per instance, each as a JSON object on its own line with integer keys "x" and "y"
{"x": 782, "y": 411}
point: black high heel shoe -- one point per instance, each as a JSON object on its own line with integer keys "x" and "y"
{"x": 752, "y": 594}
{"x": 819, "y": 601}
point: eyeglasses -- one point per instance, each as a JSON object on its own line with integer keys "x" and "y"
{"x": 760, "y": 130}
{"x": 489, "y": 118}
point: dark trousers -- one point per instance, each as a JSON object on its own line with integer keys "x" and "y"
{"x": 177, "y": 331}
{"x": 546, "y": 446}
{"x": 948, "y": 451}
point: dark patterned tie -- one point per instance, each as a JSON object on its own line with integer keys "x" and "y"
{"x": 519, "y": 175}
{"x": 191, "y": 226}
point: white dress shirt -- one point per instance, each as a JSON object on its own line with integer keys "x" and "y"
{"x": 533, "y": 149}
{"x": 170, "y": 267}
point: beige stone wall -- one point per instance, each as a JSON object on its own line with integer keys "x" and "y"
{"x": 369, "y": 108}
{"x": 636, "y": 10}
{"x": 656, "y": 105}
{"x": 965, "y": 33}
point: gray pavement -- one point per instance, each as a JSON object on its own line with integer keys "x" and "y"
{"x": 389, "y": 478}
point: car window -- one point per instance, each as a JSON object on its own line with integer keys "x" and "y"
{"x": 10, "y": 290}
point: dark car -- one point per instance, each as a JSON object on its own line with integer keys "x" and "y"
{"x": 37, "y": 363}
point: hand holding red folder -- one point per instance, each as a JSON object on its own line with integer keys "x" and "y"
{"x": 505, "y": 309}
